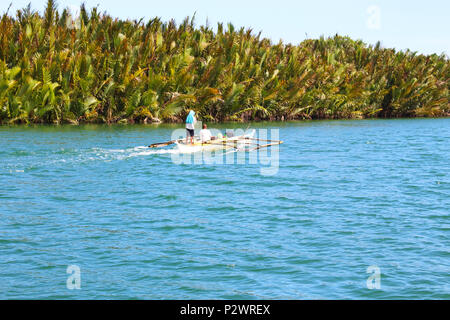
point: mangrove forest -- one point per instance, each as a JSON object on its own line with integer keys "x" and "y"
{"x": 58, "y": 68}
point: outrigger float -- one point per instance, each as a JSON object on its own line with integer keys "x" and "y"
{"x": 240, "y": 143}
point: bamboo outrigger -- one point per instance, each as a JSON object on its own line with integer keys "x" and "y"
{"x": 242, "y": 143}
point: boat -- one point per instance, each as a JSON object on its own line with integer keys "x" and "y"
{"x": 245, "y": 142}
{"x": 226, "y": 143}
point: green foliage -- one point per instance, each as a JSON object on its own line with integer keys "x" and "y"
{"x": 57, "y": 68}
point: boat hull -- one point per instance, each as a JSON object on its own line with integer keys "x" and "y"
{"x": 234, "y": 143}
{"x": 221, "y": 144}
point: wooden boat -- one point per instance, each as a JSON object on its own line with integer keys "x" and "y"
{"x": 245, "y": 142}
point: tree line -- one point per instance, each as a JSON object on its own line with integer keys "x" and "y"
{"x": 56, "y": 68}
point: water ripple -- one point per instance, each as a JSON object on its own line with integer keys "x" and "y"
{"x": 348, "y": 195}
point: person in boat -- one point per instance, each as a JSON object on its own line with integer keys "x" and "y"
{"x": 205, "y": 134}
{"x": 190, "y": 123}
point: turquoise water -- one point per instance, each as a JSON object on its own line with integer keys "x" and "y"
{"x": 347, "y": 195}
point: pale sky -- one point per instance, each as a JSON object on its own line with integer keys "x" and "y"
{"x": 419, "y": 25}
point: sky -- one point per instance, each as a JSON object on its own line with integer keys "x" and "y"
{"x": 418, "y": 25}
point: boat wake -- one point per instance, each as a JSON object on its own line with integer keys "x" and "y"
{"x": 105, "y": 155}
{"x": 122, "y": 154}
{"x": 73, "y": 157}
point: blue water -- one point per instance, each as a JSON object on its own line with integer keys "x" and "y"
{"x": 347, "y": 195}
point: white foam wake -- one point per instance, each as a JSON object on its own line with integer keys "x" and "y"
{"x": 141, "y": 151}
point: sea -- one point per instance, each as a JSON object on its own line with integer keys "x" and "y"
{"x": 341, "y": 210}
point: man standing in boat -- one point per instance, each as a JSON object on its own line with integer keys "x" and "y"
{"x": 190, "y": 123}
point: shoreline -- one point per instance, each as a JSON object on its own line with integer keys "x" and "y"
{"x": 155, "y": 124}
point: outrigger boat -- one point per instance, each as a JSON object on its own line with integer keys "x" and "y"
{"x": 245, "y": 142}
